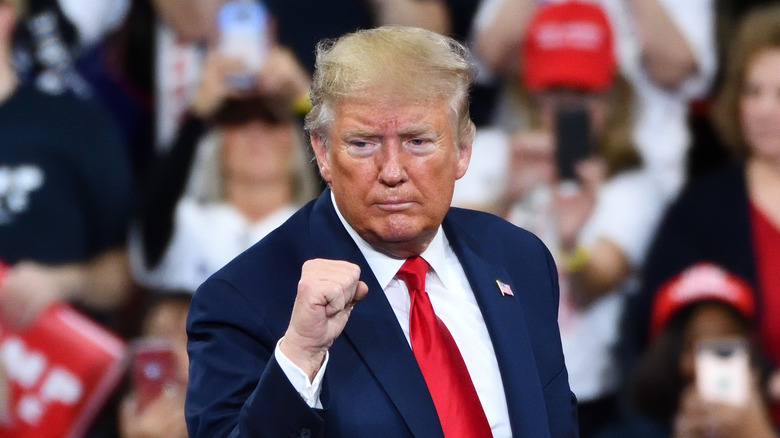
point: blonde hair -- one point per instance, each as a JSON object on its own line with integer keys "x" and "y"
{"x": 759, "y": 31}
{"x": 206, "y": 182}
{"x": 616, "y": 144}
{"x": 399, "y": 61}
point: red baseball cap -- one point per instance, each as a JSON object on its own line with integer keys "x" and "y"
{"x": 568, "y": 45}
{"x": 700, "y": 282}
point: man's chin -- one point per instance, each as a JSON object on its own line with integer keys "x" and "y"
{"x": 401, "y": 243}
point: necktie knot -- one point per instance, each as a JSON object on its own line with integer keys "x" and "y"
{"x": 413, "y": 273}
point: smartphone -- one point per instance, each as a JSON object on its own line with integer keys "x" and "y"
{"x": 723, "y": 371}
{"x": 244, "y": 34}
{"x": 153, "y": 370}
{"x": 572, "y": 139}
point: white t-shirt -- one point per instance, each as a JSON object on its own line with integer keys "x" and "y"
{"x": 206, "y": 237}
{"x": 628, "y": 209}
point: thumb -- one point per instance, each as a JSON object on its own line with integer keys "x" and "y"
{"x": 360, "y": 292}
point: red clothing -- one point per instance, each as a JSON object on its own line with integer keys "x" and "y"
{"x": 766, "y": 241}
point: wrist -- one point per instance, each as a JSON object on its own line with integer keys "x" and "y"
{"x": 309, "y": 360}
{"x": 301, "y": 104}
{"x": 69, "y": 281}
{"x": 574, "y": 258}
{"x": 202, "y": 111}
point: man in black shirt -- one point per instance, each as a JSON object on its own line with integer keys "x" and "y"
{"x": 64, "y": 197}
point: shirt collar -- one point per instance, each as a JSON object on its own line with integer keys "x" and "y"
{"x": 385, "y": 267}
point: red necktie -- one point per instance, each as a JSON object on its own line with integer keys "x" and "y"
{"x": 442, "y": 366}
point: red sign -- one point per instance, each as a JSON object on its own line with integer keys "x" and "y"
{"x": 60, "y": 370}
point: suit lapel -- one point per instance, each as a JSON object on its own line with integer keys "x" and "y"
{"x": 391, "y": 361}
{"x": 506, "y": 325}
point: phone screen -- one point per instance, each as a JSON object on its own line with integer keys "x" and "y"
{"x": 572, "y": 137}
{"x": 723, "y": 371}
{"x": 154, "y": 370}
{"x": 244, "y": 34}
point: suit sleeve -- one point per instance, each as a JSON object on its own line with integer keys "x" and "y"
{"x": 236, "y": 387}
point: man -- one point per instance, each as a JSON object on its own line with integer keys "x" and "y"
{"x": 64, "y": 204}
{"x": 65, "y": 194}
{"x": 308, "y": 333}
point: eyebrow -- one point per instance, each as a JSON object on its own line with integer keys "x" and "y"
{"x": 415, "y": 130}
{"x": 362, "y": 133}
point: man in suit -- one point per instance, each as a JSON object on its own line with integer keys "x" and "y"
{"x": 378, "y": 310}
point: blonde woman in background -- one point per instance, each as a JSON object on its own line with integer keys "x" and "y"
{"x": 731, "y": 216}
{"x": 246, "y": 183}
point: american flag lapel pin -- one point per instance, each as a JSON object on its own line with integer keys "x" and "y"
{"x": 505, "y": 289}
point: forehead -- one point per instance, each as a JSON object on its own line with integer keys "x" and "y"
{"x": 392, "y": 112}
{"x": 711, "y": 319}
{"x": 765, "y": 65}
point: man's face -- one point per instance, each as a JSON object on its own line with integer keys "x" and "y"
{"x": 392, "y": 168}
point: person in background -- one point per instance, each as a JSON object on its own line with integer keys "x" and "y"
{"x": 703, "y": 304}
{"x": 163, "y": 416}
{"x": 730, "y": 216}
{"x": 65, "y": 197}
{"x": 378, "y": 310}
{"x": 598, "y": 220}
{"x": 57, "y": 36}
{"x": 666, "y": 49}
{"x": 251, "y": 175}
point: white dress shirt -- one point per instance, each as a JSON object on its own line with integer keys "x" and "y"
{"x": 454, "y": 303}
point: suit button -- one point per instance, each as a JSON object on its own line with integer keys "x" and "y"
{"x": 305, "y": 433}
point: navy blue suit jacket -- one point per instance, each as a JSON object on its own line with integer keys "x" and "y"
{"x": 372, "y": 385}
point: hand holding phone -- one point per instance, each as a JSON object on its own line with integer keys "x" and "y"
{"x": 153, "y": 370}
{"x": 244, "y": 34}
{"x": 572, "y": 139}
{"x": 723, "y": 371}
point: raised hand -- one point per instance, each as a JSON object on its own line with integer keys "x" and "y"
{"x": 29, "y": 288}
{"x": 327, "y": 292}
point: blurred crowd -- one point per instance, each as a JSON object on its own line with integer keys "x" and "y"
{"x": 638, "y": 139}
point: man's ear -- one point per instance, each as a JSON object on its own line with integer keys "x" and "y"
{"x": 464, "y": 157}
{"x": 323, "y": 159}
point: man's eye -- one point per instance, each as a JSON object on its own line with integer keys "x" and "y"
{"x": 361, "y": 148}
{"x": 420, "y": 145}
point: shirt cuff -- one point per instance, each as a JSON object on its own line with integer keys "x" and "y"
{"x": 308, "y": 390}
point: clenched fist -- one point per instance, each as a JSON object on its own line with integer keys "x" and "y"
{"x": 327, "y": 292}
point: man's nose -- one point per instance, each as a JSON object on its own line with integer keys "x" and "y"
{"x": 391, "y": 163}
